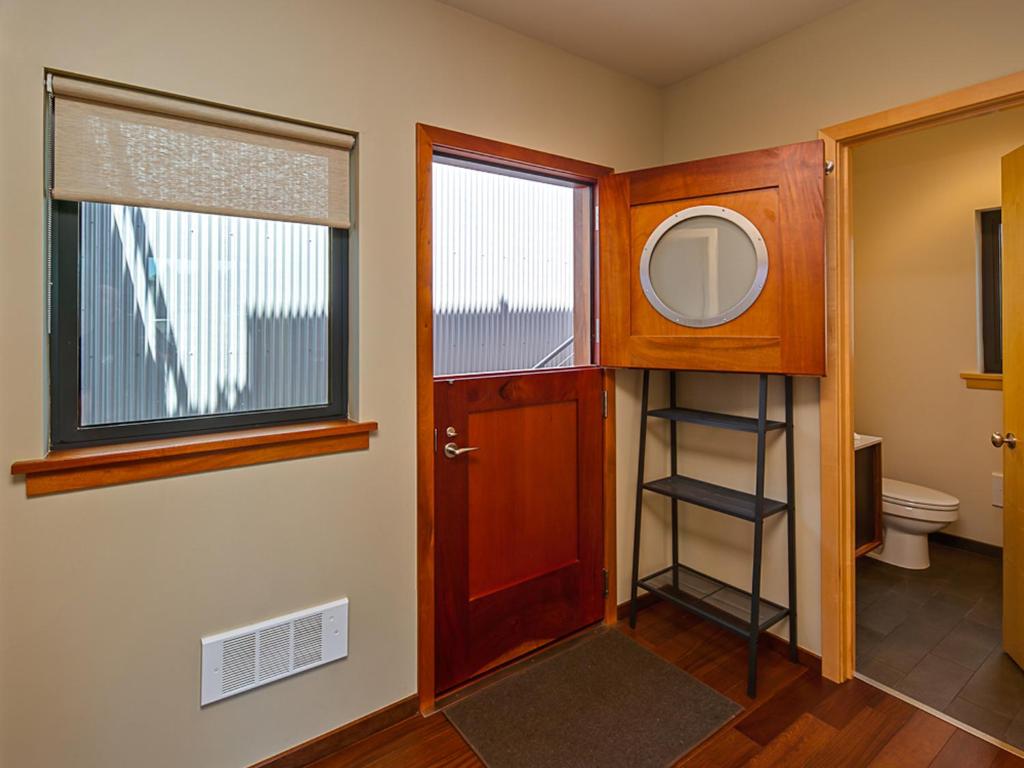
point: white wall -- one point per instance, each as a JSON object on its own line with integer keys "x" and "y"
{"x": 869, "y": 56}
{"x": 915, "y": 199}
{"x": 105, "y": 593}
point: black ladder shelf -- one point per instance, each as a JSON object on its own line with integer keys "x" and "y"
{"x": 745, "y": 613}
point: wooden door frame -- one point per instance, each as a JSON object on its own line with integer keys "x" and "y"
{"x": 429, "y": 140}
{"x": 836, "y": 395}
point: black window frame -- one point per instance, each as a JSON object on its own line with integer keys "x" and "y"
{"x": 66, "y": 429}
{"x": 991, "y": 290}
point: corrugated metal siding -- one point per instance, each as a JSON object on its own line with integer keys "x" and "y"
{"x": 187, "y": 314}
{"x": 503, "y": 271}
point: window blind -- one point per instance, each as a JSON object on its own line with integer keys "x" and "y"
{"x": 129, "y": 147}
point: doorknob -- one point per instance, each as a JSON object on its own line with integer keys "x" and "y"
{"x": 1010, "y": 440}
{"x": 451, "y": 450}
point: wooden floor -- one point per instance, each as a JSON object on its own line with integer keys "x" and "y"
{"x": 799, "y": 719}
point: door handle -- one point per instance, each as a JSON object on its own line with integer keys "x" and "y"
{"x": 451, "y": 450}
{"x": 1010, "y": 440}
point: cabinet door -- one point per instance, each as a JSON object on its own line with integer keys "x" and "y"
{"x": 716, "y": 264}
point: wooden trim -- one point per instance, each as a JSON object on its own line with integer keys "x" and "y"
{"x": 424, "y": 421}
{"x": 836, "y": 394}
{"x": 510, "y": 155}
{"x": 333, "y": 741}
{"x": 96, "y": 466}
{"x": 430, "y": 139}
{"x": 978, "y": 99}
{"x": 863, "y": 549}
{"x": 643, "y": 601}
{"x": 610, "y": 505}
{"x": 982, "y": 380}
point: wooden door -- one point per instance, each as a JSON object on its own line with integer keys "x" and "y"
{"x": 1013, "y": 404}
{"x": 778, "y": 196}
{"x": 519, "y": 527}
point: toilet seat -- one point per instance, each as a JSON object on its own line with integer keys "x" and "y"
{"x": 917, "y": 496}
{"x": 918, "y": 502}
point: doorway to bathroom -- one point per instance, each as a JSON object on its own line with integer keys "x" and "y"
{"x": 926, "y": 372}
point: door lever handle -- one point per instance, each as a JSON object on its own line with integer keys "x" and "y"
{"x": 451, "y": 450}
{"x": 1009, "y": 440}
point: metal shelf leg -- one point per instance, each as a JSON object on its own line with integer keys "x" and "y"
{"x": 791, "y": 518}
{"x": 639, "y": 499}
{"x": 755, "y": 586}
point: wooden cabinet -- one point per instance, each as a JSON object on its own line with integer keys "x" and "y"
{"x": 716, "y": 264}
{"x": 867, "y": 461}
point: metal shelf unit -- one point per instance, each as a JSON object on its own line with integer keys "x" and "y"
{"x": 745, "y": 613}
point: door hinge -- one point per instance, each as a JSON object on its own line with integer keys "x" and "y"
{"x": 435, "y": 439}
{"x": 604, "y": 403}
{"x": 597, "y": 330}
{"x": 604, "y": 575}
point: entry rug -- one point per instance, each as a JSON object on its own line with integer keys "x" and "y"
{"x": 603, "y": 703}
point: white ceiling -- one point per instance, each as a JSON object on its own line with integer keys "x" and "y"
{"x": 659, "y": 41}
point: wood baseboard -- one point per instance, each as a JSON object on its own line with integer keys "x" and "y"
{"x": 336, "y": 740}
{"x": 805, "y": 657}
{"x": 970, "y": 545}
{"x": 646, "y": 600}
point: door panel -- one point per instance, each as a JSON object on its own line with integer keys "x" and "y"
{"x": 1013, "y": 404}
{"x": 781, "y": 192}
{"x": 519, "y": 526}
{"x": 509, "y": 476}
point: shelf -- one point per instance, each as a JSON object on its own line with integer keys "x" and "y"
{"x": 712, "y": 599}
{"x": 712, "y": 419}
{"x": 716, "y": 497}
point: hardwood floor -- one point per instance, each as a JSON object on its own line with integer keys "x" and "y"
{"x": 799, "y": 719}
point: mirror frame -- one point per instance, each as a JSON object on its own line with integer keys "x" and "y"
{"x": 714, "y": 211}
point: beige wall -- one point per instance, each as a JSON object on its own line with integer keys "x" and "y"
{"x": 866, "y": 57}
{"x": 915, "y": 199}
{"x": 106, "y": 593}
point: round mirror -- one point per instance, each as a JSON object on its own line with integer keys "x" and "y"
{"x": 704, "y": 266}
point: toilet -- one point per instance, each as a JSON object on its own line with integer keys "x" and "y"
{"x": 909, "y": 513}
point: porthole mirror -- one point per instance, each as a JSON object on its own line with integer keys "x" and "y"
{"x": 704, "y": 266}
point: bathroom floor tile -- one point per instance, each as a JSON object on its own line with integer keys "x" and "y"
{"x": 935, "y": 681}
{"x": 968, "y": 644}
{"x": 987, "y": 612}
{"x": 998, "y": 685}
{"x": 934, "y": 635}
{"x": 1015, "y": 731}
{"x": 868, "y": 642}
{"x": 983, "y": 719}
{"x": 881, "y": 672}
{"x": 906, "y": 646}
{"x": 869, "y": 591}
{"x": 887, "y": 612}
{"x": 940, "y": 614}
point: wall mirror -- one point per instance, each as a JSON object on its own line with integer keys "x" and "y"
{"x": 704, "y": 266}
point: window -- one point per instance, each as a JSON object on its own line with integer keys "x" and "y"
{"x": 512, "y": 256}
{"x": 991, "y": 290}
{"x": 199, "y": 263}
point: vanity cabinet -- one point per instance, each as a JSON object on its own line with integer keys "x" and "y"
{"x": 716, "y": 264}
{"x": 867, "y": 462}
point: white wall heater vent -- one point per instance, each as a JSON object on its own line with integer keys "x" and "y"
{"x": 251, "y": 656}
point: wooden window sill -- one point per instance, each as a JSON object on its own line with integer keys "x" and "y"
{"x": 95, "y": 466}
{"x": 982, "y": 380}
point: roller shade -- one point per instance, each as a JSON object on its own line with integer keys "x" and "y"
{"x": 118, "y": 145}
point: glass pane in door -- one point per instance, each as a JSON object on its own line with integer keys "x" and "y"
{"x": 512, "y": 257}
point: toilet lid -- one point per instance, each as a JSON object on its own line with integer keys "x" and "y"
{"x": 922, "y": 497}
